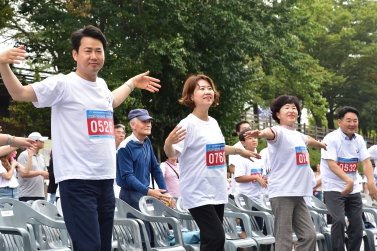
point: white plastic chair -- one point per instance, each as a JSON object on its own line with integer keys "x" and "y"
{"x": 123, "y": 208}
{"x": 14, "y": 218}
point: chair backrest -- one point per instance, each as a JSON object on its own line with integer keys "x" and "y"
{"x": 153, "y": 207}
{"x": 46, "y": 208}
{"x": 59, "y": 207}
{"x": 265, "y": 200}
{"x": 367, "y": 200}
{"x": 49, "y": 237}
{"x": 158, "y": 223}
{"x": 243, "y": 201}
{"x": 316, "y": 203}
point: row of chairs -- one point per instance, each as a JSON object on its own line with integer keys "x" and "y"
{"x": 38, "y": 225}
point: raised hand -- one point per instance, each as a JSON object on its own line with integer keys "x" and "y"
{"x": 13, "y": 55}
{"x": 143, "y": 81}
{"x": 177, "y": 135}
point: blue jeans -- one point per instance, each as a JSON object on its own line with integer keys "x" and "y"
{"x": 318, "y": 195}
{"x": 52, "y": 198}
{"x": 88, "y": 208}
{"x": 9, "y": 192}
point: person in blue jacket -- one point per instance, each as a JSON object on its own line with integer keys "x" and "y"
{"x": 135, "y": 164}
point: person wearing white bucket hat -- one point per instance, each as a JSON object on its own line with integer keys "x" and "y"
{"x": 32, "y": 184}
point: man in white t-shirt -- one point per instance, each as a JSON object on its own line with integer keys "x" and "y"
{"x": 82, "y": 130}
{"x": 240, "y": 126}
{"x": 339, "y": 166}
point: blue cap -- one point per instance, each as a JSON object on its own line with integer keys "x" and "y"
{"x": 141, "y": 114}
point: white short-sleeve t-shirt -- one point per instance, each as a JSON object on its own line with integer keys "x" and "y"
{"x": 82, "y": 126}
{"x": 347, "y": 154}
{"x": 232, "y": 159}
{"x": 202, "y": 161}
{"x": 12, "y": 182}
{"x": 373, "y": 155}
{"x": 290, "y": 173}
{"x": 251, "y": 189}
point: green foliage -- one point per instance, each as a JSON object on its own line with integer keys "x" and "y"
{"x": 250, "y": 48}
{"x": 6, "y": 13}
{"x": 345, "y": 45}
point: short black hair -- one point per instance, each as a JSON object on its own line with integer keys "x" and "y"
{"x": 281, "y": 101}
{"x": 238, "y": 125}
{"x": 87, "y": 31}
{"x": 314, "y": 168}
{"x": 346, "y": 109}
{"x": 241, "y": 136}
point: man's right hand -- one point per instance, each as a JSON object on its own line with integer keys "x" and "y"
{"x": 349, "y": 187}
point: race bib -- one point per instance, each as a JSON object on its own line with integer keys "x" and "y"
{"x": 302, "y": 157}
{"x": 100, "y": 124}
{"x": 215, "y": 156}
{"x": 348, "y": 165}
{"x": 256, "y": 172}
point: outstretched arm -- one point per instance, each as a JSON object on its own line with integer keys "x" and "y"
{"x": 141, "y": 81}
{"x": 265, "y": 133}
{"x": 13, "y": 85}
{"x": 314, "y": 143}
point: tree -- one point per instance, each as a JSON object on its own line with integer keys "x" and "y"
{"x": 345, "y": 47}
{"x": 234, "y": 42}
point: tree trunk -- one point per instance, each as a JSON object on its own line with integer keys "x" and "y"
{"x": 330, "y": 119}
{"x": 318, "y": 120}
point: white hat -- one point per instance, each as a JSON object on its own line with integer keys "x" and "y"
{"x": 37, "y": 136}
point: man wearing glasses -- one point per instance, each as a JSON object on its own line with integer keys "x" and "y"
{"x": 31, "y": 185}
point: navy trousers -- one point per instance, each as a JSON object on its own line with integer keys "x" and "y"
{"x": 88, "y": 208}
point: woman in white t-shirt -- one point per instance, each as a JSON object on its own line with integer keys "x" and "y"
{"x": 9, "y": 168}
{"x": 290, "y": 178}
{"x": 198, "y": 143}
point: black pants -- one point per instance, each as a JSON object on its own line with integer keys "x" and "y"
{"x": 209, "y": 219}
{"x": 340, "y": 206}
{"x": 25, "y": 199}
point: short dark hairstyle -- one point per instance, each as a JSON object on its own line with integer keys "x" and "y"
{"x": 238, "y": 125}
{"x": 87, "y": 31}
{"x": 346, "y": 109}
{"x": 314, "y": 168}
{"x": 189, "y": 88}
{"x": 281, "y": 101}
{"x": 241, "y": 136}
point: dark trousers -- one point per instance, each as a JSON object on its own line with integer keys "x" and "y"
{"x": 88, "y": 208}
{"x": 209, "y": 219}
{"x": 25, "y": 199}
{"x": 132, "y": 197}
{"x": 340, "y": 206}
